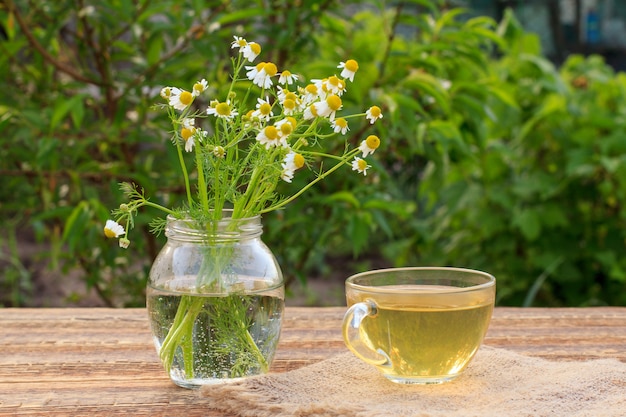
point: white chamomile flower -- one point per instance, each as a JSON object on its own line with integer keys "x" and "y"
{"x": 189, "y": 122}
{"x": 320, "y": 88}
{"x": 166, "y": 92}
{"x": 222, "y": 110}
{"x": 188, "y": 136}
{"x": 291, "y": 163}
{"x": 289, "y": 100}
{"x": 369, "y": 145}
{"x": 180, "y": 99}
{"x": 310, "y": 112}
{"x": 253, "y": 70}
{"x": 360, "y": 165}
{"x": 285, "y": 127}
{"x": 261, "y": 74}
{"x": 263, "y": 110}
{"x": 333, "y": 85}
{"x": 286, "y": 77}
{"x": 199, "y": 87}
{"x": 290, "y": 106}
{"x": 340, "y": 125}
{"x": 268, "y": 136}
{"x": 239, "y": 42}
{"x": 349, "y": 68}
{"x": 373, "y": 113}
{"x": 251, "y": 51}
{"x": 310, "y": 93}
{"x": 112, "y": 229}
{"x": 328, "y": 107}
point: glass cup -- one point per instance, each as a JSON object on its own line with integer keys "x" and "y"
{"x": 419, "y": 325}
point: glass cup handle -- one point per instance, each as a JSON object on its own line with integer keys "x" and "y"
{"x": 352, "y": 334}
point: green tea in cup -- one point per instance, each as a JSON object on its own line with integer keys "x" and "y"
{"x": 418, "y": 325}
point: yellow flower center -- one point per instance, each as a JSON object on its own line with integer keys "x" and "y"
{"x": 109, "y": 233}
{"x": 241, "y": 42}
{"x": 198, "y": 87}
{"x": 298, "y": 160}
{"x": 186, "y": 98}
{"x": 334, "y": 102}
{"x": 375, "y": 111}
{"x": 362, "y": 163}
{"x": 286, "y": 128}
{"x": 286, "y": 74}
{"x": 265, "y": 109}
{"x": 341, "y": 122}
{"x": 289, "y": 104}
{"x": 293, "y": 121}
{"x": 255, "y": 48}
{"x": 372, "y": 142}
{"x": 271, "y": 133}
{"x": 313, "y": 110}
{"x": 333, "y": 80}
{"x": 260, "y": 66}
{"x": 223, "y": 109}
{"x": 270, "y": 69}
{"x": 351, "y": 65}
{"x": 291, "y": 96}
{"x": 186, "y": 133}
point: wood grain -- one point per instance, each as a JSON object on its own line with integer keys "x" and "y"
{"x": 102, "y": 362}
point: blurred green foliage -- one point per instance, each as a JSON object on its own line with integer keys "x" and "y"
{"x": 491, "y": 157}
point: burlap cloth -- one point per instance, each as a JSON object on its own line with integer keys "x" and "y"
{"x": 497, "y": 383}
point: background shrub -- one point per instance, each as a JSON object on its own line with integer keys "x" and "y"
{"x": 491, "y": 157}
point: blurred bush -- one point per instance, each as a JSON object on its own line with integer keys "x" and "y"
{"x": 491, "y": 158}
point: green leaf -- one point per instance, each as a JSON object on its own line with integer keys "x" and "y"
{"x": 405, "y": 102}
{"x": 554, "y": 103}
{"x": 528, "y": 222}
{"x": 503, "y": 96}
{"x": 488, "y": 34}
{"x": 432, "y": 5}
{"x": 64, "y": 106}
{"x": 359, "y": 230}
{"x": 74, "y": 225}
{"x": 344, "y": 196}
{"x": 580, "y": 163}
{"x": 240, "y": 15}
{"x": 447, "y": 134}
{"x": 155, "y": 47}
{"x": 429, "y": 85}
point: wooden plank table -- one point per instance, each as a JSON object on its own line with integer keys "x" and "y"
{"x": 101, "y": 362}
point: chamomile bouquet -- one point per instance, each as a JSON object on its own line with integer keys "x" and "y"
{"x": 239, "y": 156}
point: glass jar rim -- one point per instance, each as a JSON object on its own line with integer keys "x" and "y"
{"x": 225, "y": 228}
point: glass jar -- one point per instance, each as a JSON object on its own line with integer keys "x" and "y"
{"x": 215, "y": 300}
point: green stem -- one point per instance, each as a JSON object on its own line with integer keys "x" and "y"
{"x": 257, "y": 353}
{"x": 181, "y": 333}
{"x": 183, "y": 168}
{"x": 157, "y": 206}
{"x": 202, "y": 188}
{"x": 320, "y": 177}
{"x": 245, "y": 199}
